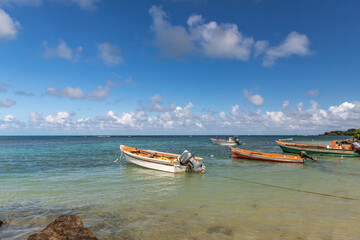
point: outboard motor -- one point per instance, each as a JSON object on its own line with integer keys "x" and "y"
{"x": 356, "y": 147}
{"x": 237, "y": 141}
{"x": 305, "y": 155}
{"x": 188, "y": 160}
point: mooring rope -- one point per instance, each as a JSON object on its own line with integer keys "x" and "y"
{"x": 285, "y": 188}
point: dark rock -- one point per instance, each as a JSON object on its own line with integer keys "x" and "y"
{"x": 1, "y": 223}
{"x": 65, "y": 227}
{"x": 349, "y": 141}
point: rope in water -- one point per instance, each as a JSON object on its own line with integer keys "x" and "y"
{"x": 286, "y": 188}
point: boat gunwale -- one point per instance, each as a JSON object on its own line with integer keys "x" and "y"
{"x": 267, "y": 156}
{"x": 316, "y": 148}
{"x": 126, "y": 149}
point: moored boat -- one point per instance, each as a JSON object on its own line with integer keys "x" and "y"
{"x": 231, "y": 142}
{"x": 286, "y": 139}
{"x": 272, "y": 157}
{"x": 335, "y": 149}
{"x": 161, "y": 161}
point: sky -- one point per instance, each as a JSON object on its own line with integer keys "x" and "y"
{"x": 141, "y": 67}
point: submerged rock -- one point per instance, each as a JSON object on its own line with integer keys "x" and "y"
{"x": 65, "y": 227}
{"x": 1, "y": 223}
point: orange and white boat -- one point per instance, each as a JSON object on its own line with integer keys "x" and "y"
{"x": 161, "y": 161}
{"x": 231, "y": 142}
{"x": 272, "y": 157}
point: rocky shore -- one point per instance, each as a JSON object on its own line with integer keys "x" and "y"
{"x": 350, "y": 141}
{"x": 65, "y": 227}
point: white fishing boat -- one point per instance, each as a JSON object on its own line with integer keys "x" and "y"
{"x": 230, "y": 142}
{"x": 161, "y": 161}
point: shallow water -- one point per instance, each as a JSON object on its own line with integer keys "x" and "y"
{"x": 44, "y": 177}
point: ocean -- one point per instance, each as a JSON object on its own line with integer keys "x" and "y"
{"x": 42, "y": 177}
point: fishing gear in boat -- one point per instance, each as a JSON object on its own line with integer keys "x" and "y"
{"x": 356, "y": 147}
{"x": 237, "y": 141}
{"x": 187, "y": 159}
{"x": 303, "y": 154}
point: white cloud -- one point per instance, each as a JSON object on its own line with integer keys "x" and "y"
{"x": 219, "y": 40}
{"x": 7, "y": 103}
{"x": 68, "y": 92}
{"x": 9, "y": 118}
{"x": 8, "y": 27}
{"x": 294, "y": 44}
{"x": 209, "y": 39}
{"x": 222, "y": 40}
{"x": 58, "y": 118}
{"x": 286, "y": 104}
{"x": 174, "y": 41}
{"x": 35, "y": 116}
{"x": 260, "y": 47}
{"x": 194, "y": 20}
{"x": 183, "y": 120}
{"x": 157, "y": 105}
{"x": 100, "y": 93}
{"x": 109, "y": 54}
{"x": 256, "y": 99}
{"x": 314, "y": 93}
{"x": 88, "y": 5}
{"x": 345, "y": 110}
{"x": 62, "y": 51}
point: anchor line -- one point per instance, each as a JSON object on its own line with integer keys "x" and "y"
{"x": 286, "y": 188}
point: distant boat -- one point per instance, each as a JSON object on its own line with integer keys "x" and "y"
{"x": 286, "y": 139}
{"x": 272, "y": 157}
{"x": 335, "y": 149}
{"x": 161, "y": 161}
{"x": 230, "y": 142}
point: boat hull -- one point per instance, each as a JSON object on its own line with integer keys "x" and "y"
{"x": 309, "y": 150}
{"x": 252, "y": 155}
{"x": 166, "y": 162}
{"x": 223, "y": 142}
{"x": 156, "y": 165}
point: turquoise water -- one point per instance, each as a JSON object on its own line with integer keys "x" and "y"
{"x": 44, "y": 177}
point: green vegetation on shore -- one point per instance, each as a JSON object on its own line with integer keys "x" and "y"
{"x": 349, "y": 132}
{"x": 357, "y": 133}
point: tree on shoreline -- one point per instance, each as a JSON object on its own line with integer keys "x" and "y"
{"x": 357, "y": 133}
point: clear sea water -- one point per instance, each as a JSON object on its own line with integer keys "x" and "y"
{"x": 44, "y": 177}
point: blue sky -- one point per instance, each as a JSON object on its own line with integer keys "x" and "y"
{"x": 178, "y": 66}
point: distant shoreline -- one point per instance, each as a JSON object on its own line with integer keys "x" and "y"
{"x": 349, "y": 132}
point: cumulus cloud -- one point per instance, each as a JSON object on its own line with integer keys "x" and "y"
{"x": 174, "y": 41}
{"x": 62, "y": 51}
{"x": 100, "y": 93}
{"x": 8, "y": 27}
{"x": 218, "y": 40}
{"x": 68, "y": 92}
{"x": 211, "y": 39}
{"x": 157, "y": 105}
{"x": 35, "y": 116}
{"x": 7, "y": 103}
{"x": 314, "y": 93}
{"x": 294, "y": 44}
{"x": 88, "y": 5}
{"x": 286, "y": 104}
{"x": 109, "y": 54}
{"x": 183, "y": 119}
{"x": 256, "y": 99}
